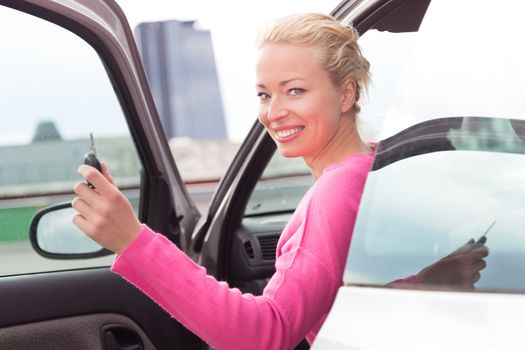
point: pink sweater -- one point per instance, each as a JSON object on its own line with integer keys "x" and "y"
{"x": 311, "y": 256}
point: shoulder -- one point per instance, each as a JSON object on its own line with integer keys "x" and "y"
{"x": 358, "y": 163}
{"x": 344, "y": 178}
{"x": 332, "y": 203}
{"x": 335, "y": 196}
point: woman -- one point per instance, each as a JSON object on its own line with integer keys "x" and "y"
{"x": 310, "y": 74}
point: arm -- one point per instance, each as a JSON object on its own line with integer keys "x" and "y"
{"x": 222, "y": 316}
{"x": 460, "y": 269}
{"x": 298, "y": 297}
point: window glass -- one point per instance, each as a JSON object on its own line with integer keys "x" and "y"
{"x": 54, "y": 92}
{"x": 448, "y": 99}
{"x": 281, "y": 186}
{"x": 433, "y": 73}
{"x": 441, "y": 200}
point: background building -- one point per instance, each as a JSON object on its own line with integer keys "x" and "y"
{"x": 181, "y": 70}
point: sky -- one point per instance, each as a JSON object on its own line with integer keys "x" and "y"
{"x": 233, "y": 25}
{"x": 55, "y": 77}
{"x": 234, "y": 31}
{"x": 414, "y": 76}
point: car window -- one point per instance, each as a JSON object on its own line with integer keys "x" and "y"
{"x": 180, "y": 64}
{"x": 448, "y": 101}
{"x": 280, "y": 187}
{"x": 54, "y": 92}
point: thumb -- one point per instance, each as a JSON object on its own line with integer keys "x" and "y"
{"x": 464, "y": 248}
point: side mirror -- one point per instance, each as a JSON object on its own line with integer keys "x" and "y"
{"x": 53, "y": 235}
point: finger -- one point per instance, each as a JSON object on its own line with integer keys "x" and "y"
{"x": 480, "y": 253}
{"x": 96, "y": 178}
{"x": 86, "y": 193}
{"x": 106, "y": 173}
{"x": 475, "y": 277}
{"x": 470, "y": 288}
{"x": 465, "y": 248}
{"x": 81, "y": 206}
{"x": 81, "y": 222}
{"x": 479, "y": 265}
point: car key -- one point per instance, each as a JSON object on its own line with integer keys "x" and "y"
{"x": 91, "y": 158}
{"x": 479, "y": 243}
{"x": 482, "y": 239}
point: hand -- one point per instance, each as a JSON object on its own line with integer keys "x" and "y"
{"x": 459, "y": 269}
{"x": 104, "y": 213}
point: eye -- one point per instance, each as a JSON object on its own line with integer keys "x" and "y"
{"x": 263, "y": 96}
{"x": 295, "y": 91}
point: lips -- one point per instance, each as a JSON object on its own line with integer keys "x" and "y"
{"x": 288, "y": 134}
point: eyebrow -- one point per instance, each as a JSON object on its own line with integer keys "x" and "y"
{"x": 282, "y": 83}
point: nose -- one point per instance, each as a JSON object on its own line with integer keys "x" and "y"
{"x": 276, "y": 110}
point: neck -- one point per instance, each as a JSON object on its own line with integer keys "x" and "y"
{"x": 344, "y": 143}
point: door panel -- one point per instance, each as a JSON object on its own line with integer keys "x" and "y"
{"x": 81, "y": 333}
{"x": 58, "y": 295}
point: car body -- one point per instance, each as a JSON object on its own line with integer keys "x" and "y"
{"x": 66, "y": 303}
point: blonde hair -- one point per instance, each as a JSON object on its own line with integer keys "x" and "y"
{"x": 340, "y": 52}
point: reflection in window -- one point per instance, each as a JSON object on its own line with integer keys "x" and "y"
{"x": 424, "y": 205}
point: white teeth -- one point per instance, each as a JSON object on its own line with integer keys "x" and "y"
{"x": 289, "y": 132}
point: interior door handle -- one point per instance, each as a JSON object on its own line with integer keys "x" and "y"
{"x": 120, "y": 337}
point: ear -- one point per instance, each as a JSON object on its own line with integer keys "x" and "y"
{"x": 348, "y": 94}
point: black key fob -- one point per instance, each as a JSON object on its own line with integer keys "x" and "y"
{"x": 91, "y": 159}
{"x": 483, "y": 239}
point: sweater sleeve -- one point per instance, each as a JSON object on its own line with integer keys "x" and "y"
{"x": 222, "y": 316}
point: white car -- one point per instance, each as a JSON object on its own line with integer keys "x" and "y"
{"x": 450, "y": 167}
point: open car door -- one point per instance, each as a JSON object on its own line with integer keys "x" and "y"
{"x": 71, "y": 68}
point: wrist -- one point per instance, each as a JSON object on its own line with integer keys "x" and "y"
{"x": 136, "y": 230}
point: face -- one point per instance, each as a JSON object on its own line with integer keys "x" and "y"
{"x": 299, "y": 105}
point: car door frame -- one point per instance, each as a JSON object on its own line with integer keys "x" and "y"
{"x": 164, "y": 202}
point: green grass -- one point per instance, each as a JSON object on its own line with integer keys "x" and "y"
{"x": 14, "y": 223}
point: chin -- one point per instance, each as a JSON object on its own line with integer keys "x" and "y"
{"x": 290, "y": 153}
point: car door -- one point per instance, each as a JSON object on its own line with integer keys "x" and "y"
{"x": 71, "y": 68}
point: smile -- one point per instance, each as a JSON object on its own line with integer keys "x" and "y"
{"x": 282, "y": 134}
